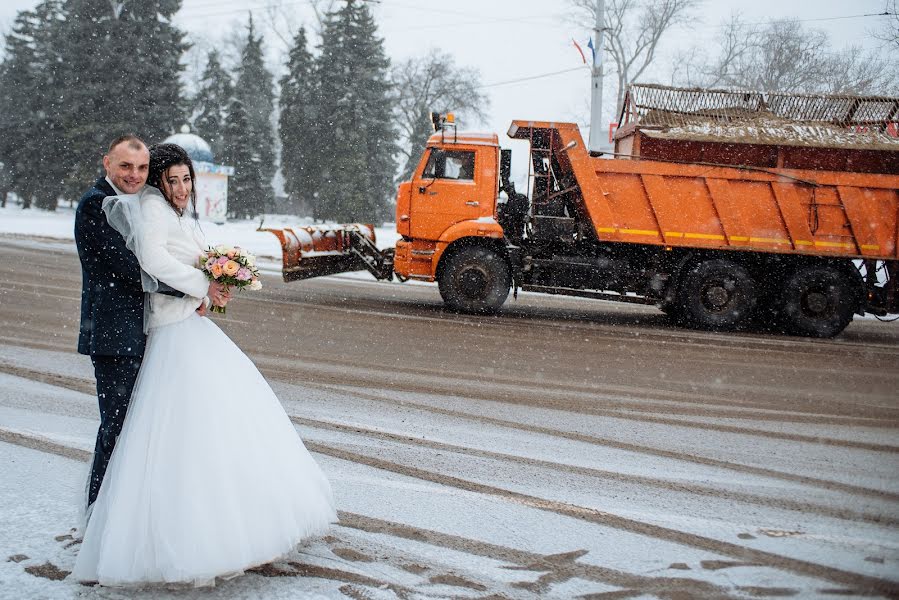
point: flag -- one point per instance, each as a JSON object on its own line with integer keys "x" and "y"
{"x": 578, "y": 46}
{"x": 592, "y": 49}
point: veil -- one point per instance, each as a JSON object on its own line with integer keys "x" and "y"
{"x": 124, "y": 215}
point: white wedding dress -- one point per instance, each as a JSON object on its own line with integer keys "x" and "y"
{"x": 208, "y": 477}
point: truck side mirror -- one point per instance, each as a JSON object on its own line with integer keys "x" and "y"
{"x": 505, "y": 169}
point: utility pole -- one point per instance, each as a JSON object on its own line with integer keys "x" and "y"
{"x": 596, "y": 128}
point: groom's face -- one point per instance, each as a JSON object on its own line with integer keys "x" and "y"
{"x": 127, "y": 166}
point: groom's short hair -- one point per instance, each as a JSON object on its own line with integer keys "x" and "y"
{"x": 132, "y": 140}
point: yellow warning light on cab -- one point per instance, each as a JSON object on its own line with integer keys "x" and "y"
{"x": 441, "y": 121}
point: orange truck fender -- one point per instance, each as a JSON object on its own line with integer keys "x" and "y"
{"x": 475, "y": 231}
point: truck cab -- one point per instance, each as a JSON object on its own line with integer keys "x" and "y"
{"x": 451, "y": 196}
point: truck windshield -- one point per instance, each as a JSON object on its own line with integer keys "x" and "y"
{"x": 450, "y": 164}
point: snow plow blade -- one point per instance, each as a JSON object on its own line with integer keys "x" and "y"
{"x": 317, "y": 251}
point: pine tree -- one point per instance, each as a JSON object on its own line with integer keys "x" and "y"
{"x": 298, "y": 122}
{"x": 243, "y": 187}
{"x": 255, "y": 91}
{"x": 358, "y": 151}
{"x": 5, "y": 184}
{"x": 210, "y": 105}
{"x": 122, "y": 76}
{"x": 32, "y": 138}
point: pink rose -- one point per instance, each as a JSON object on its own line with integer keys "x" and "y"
{"x": 222, "y": 260}
{"x": 243, "y": 274}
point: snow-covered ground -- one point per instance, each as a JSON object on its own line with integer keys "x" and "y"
{"x": 458, "y": 496}
{"x": 438, "y": 505}
{"x": 36, "y": 223}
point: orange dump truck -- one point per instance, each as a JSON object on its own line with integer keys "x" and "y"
{"x": 720, "y": 207}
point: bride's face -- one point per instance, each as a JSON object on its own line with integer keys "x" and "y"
{"x": 178, "y": 185}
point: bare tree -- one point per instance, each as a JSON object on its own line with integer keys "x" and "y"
{"x": 433, "y": 83}
{"x": 854, "y": 70}
{"x": 888, "y": 30}
{"x": 321, "y": 9}
{"x": 633, "y": 29}
{"x": 779, "y": 55}
{"x": 784, "y": 56}
{"x": 281, "y": 20}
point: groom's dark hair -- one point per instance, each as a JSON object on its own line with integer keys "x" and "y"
{"x": 164, "y": 156}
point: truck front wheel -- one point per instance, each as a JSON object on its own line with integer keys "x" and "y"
{"x": 475, "y": 279}
{"x": 716, "y": 294}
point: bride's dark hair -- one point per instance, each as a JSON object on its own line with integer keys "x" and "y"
{"x": 164, "y": 156}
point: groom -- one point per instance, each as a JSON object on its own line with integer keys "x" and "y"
{"x": 112, "y": 300}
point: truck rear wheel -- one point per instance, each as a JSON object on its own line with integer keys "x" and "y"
{"x": 475, "y": 279}
{"x": 817, "y": 301}
{"x": 716, "y": 294}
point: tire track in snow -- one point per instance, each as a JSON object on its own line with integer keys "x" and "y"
{"x": 530, "y": 560}
{"x": 610, "y": 443}
{"x": 82, "y": 385}
{"x": 557, "y": 567}
{"x": 42, "y": 444}
{"x": 76, "y": 384}
{"x": 859, "y": 582}
{"x": 674, "y": 486}
{"x": 507, "y": 389}
{"x": 551, "y": 396}
{"x": 525, "y": 393}
{"x": 644, "y": 400}
{"x": 797, "y": 566}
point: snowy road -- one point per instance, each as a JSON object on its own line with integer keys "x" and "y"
{"x": 566, "y": 448}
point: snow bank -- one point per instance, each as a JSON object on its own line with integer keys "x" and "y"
{"x": 60, "y": 224}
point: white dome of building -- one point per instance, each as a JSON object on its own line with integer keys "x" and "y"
{"x": 196, "y": 147}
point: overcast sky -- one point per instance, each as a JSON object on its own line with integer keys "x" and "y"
{"x": 514, "y": 39}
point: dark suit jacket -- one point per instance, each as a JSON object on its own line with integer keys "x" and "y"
{"x": 112, "y": 300}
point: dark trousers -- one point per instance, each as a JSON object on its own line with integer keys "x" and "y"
{"x": 115, "y": 379}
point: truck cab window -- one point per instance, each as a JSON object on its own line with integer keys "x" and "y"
{"x": 450, "y": 164}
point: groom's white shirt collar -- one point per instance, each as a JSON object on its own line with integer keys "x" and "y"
{"x": 117, "y": 191}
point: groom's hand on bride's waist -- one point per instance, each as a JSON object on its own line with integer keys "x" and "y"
{"x": 168, "y": 290}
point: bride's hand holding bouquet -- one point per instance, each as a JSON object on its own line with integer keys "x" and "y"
{"x": 231, "y": 266}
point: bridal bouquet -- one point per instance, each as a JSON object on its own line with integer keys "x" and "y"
{"x": 231, "y": 266}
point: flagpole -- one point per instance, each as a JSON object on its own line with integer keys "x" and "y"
{"x": 596, "y": 128}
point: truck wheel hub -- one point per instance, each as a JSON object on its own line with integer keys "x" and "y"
{"x": 473, "y": 283}
{"x": 816, "y": 302}
{"x": 716, "y": 297}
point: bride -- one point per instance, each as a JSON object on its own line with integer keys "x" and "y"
{"x": 208, "y": 477}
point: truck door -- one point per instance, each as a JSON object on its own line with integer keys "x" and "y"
{"x": 444, "y": 194}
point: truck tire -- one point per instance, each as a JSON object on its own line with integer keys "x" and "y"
{"x": 475, "y": 279}
{"x": 716, "y": 294}
{"x": 817, "y": 301}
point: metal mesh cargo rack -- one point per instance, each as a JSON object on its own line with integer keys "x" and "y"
{"x": 663, "y": 106}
